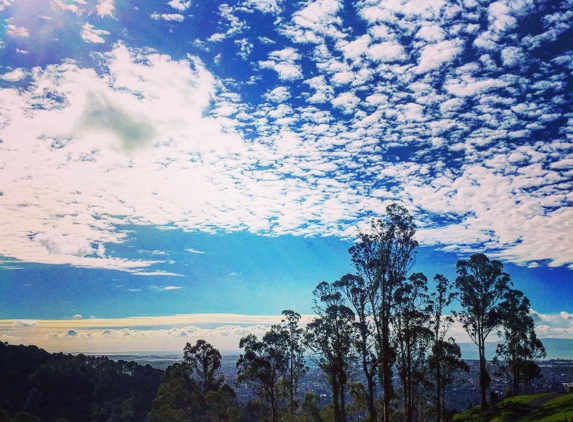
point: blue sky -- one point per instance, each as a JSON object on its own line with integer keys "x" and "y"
{"x": 190, "y": 158}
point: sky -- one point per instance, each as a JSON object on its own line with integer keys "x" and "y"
{"x": 184, "y": 169}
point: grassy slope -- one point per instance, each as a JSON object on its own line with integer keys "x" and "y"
{"x": 547, "y": 407}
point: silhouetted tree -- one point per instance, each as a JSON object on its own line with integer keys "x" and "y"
{"x": 482, "y": 285}
{"x": 296, "y": 366}
{"x": 222, "y": 404}
{"x": 413, "y": 336}
{"x": 445, "y": 358}
{"x": 263, "y": 364}
{"x": 516, "y": 356}
{"x": 193, "y": 390}
{"x": 383, "y": 257}
{"x": 205, "y": 364}
{"x": 179, "y": 398}
{"x": 357, "y": 295}
{"x": 331, "y": 337}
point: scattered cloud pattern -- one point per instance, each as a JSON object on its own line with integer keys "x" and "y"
{"x": 308, "y": 123}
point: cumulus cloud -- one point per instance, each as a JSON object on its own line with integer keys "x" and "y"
{"x": 435, "y": 55}
{"x": 105, "y": 8}
{"x": 60, "y": 244}
{"x": 92, "y": 35}
{"x": 14, "y": 75}
{"x": 180, "y": 5}
{"x": 284, "y": 63}
{"x": 16, "y": 31}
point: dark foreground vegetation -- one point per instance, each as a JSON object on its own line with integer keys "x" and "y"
{"x": 60, "y": 387}
{"x": 379, "y": 338}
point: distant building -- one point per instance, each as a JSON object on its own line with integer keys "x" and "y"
{"x": 568, "y": 387}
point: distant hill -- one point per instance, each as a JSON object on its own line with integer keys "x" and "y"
{"x": 556, "y": 348}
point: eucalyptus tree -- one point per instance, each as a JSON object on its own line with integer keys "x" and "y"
{"x": 516, "y": 356}
{"x": 331, "y": 337}
{"x": 205, "y": 363}
{"x": 295, "y": 360}
{"x": 383, "y": 257}
{"x": 482, "y": 285}
{"x": 444, "y": 360}
{"x": 263, "y": 364}
{"x": 354, "y": 288}
{"x": 413, "y": 338}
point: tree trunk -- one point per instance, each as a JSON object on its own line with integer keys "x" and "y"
{"x": 371, "y": 408}
{"x": 386, "y": 373}
{"x": 483, "y": 381}
{"x": 438, "y": 388}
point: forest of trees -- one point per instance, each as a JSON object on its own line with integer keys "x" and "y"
{"x": 38, "y": 386}
{"x": 379, "y": 336}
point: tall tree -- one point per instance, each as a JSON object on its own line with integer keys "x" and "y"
{"x": 331, "y": 337}
{"x": 178, "y": 398}
{"x": 205, "y": 363}
{"x": 516, "y": 356}
{"x": 445, "y": 358}
{"x": 357, "y": 295}
{"x": 482, "y": 286}
{"x": 264, "y": 364}
{"x": 193, "y": 390}
{"x": 383, "y": 257}
{"x": 413, "y": 336}
{"x": 296, "y": 366}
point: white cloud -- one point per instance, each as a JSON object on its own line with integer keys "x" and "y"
{"x": 464, "y": 89}
{"x": 60, "y": 244}
{"x": 284, "y": 63}
{"x": 194, "y": 251}
{"x": 25, "y": 324}
{"x": 278, "y": 95}
{"x": 16, "y": 31}
{"x": 180, "y": 5}
{"x": 431, "y": 33}
{"x": 387, "y": 51}
{"x": 166, "y": 288}
{"x": 105, "y": 8}
{"x": 14, "y": 75}
{"x": 175, "y": 17}
{"x": 92, "y": 35}
{"x": 346, "y": 101}
{"x": 265, "y": 6}
{"x": 435, "y": 55}
{"x": 77, "y": 316}
{"x": 315, "y": 21}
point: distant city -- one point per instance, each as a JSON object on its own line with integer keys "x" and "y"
{"x": 464, "y": 393}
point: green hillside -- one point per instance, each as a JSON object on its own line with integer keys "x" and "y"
{"x": 546, "y": 407}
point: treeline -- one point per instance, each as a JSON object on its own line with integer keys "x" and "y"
{"x": 384, "y": 322}
{"x": 38, "y": 386}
